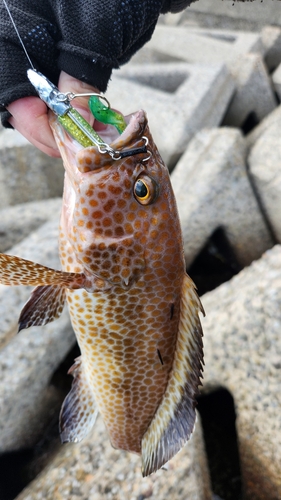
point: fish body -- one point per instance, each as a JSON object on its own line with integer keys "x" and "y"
{"x": 132, "y": 306}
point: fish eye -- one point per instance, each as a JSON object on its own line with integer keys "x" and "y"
{"x": 145, "y": 190}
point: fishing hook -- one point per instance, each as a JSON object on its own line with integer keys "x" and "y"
{"x": 72, "y": 95}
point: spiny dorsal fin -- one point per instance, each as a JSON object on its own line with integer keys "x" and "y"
{"x": 17, "y": 271}
{"x": 43, "y": 306}
{"x": 175, "y": 418}
{"x": 78, "y": 413}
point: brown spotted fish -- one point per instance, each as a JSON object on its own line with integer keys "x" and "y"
{"x": 133, "y": 308}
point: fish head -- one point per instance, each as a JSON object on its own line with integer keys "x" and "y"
{"x": 116, "y": 211}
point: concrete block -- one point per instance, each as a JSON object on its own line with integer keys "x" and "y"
{"x": 92, "y": 470}
{"x": 236, "y": 15}
{"x": 212, "y": 190}
{"x": 187, "y": 97}
{"x": 273, "y": 119}
{"x": 27, "y": 364}
{"x": 10, "y": 138}
{"x": 243, "y": 354}
{"x": 203, "y": 46}
{"x": 170, "y": 19}
{"x": 254, "y": 92}
{"x": 241, "y": 52}
{"x": 265, "y": 169}
{"x": 276, "y": 81}
{"x": 18, "y": 221}
{"x": 271, "y": 40}
{"x": 26, "y": 174}
{"x": 40, "y": 246}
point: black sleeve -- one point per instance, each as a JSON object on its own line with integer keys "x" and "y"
{"x": 175, "y": 5}
{"x": 85, "y": 38}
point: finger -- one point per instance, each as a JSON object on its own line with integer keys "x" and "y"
{"x": 45, "y": 149}
{"x": 30, "y": 118}
{"x": 68, "y": 83}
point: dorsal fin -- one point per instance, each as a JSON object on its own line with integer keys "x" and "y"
{"x": 78, "y": 412}
{"x": 175, "y": 418}
{"x": 43, "y": 306}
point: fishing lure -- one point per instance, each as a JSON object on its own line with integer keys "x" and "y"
{"x": 105, "y": 114}
{"x": 74, "y": 123}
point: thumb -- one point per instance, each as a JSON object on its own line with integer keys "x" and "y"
{"x": 68, "y": 83}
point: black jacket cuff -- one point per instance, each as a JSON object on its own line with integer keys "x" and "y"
{"x": 93, "y": 73}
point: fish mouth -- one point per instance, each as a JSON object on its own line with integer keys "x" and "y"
{"x": 131, "y": 138}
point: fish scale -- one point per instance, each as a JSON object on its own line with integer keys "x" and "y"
{"x": 132, "y": 306}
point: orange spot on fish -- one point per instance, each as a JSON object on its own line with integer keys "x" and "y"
{"x": 117, "y": 190}
{"x": 119, "y": 231}
{"x": 128, "y": 228}
{"x": 106, "y": 222}
{"x": 93, "y": 203}
{"x": 125, "y": 273}
{"x": 108, "y": 206}
{"x": 102, "y": 195}
{"x": 118, "y": 217}
{"x": 121, "y": 203}
{"x": 137, "y": 224}
{"x": 143, "y": 214}
{"x": 154, "y": 234}
{"x": 97, "y": 214}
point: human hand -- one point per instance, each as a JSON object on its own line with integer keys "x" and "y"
{"x": 30, "y": 114}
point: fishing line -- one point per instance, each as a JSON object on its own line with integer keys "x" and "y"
{"x": 18, "y": 35}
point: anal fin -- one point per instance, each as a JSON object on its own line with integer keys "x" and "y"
{"x": 174, "y": 420}
{"x": 78, "y": 412}
{"x": 43, "y": 306}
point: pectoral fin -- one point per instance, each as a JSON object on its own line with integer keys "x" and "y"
{"x": 17, "y": 271}
{"x": 175, "y": 418}
{"x": 43, "y": 306}
{"x": 79, "y": 412}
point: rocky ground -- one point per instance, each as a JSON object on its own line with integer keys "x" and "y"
{"x": 210, "y": 81}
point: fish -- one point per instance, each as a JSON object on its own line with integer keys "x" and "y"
{"x": 133, "y": 308}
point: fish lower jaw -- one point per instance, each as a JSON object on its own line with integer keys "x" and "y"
{"x": 135, "y": 122}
